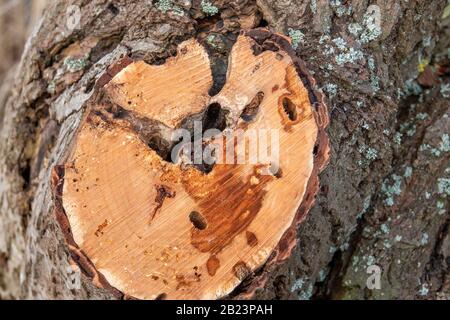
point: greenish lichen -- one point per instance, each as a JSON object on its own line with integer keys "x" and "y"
{"x": 350, "y": 56}
{"x": 444, "y": 146}
{"x": 371, "y": 63}
{"x": 307, "y": 294}
{"x": 296, "y": 36}
{"x": 444, "y": 186}
{"x": 211, "y": 40}
{"x": 331, "y": 89}
{"x": 208, "y": 8}
{"x": 412, "y": 87}
{"x": 391, "y": 190}
{"x": 445, "y": 90}
{"x": 355, "y": 261}
{"x": 366, "y": 206}
{"x": 408, "y": 172}
{"x": 328, "y": 50}
{"x": 340, "y": 8}
{"x": 446, "y": 12}
{"x": 313, "y": 6}
{"x": 421, "y": 116}
{"x": 344, "y": 246}
{"x": 167, "y": 5}
{"x": 375, "y": 83}
{"x": 370, "y": 154}
{"x": 370, "y": 260}
{"x": 423, "y": 291}
{"x": 424, "y": 239}
{"x": 408, "y": 127}
{"x": 340, "y": 43}
{"x": 297, "y": 285}
{"x": 177, "y": 11}
{"x": 75, "y": 64}
{"x": 355, "y": 29}
{"x": 374, "y": 79}
{"x": 372, "y": 29}
{"x": 426, "y": 41}
{"x": 164, "y": 5}
{"x": 322, "y": 275}
{"x": 387, "y": 244}
{"x": 51, "y": 88}
{"x": 411, "y": 131}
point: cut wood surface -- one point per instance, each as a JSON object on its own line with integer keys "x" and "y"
{"x": 148, "y": 227}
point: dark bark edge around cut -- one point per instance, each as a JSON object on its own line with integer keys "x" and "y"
{"x": 264, "y": 40}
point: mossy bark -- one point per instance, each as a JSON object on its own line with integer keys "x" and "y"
{"x": 383, "y": 197}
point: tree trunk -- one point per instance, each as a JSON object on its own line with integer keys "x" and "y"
{"x": 383, "y": 201}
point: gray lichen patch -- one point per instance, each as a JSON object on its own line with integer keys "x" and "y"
{"x": 208, "y": 8}
{"x": 369, "y": 155}
{"x": 75, "y": 64}
{"x": 390, "y": 190}
{"x": 437, "y": 151}
{"x": 164, "y": 5}
{"x": 372, "y": 28}
{"x": 443, "y": 186}
{"x": 169, "y": 6}
{"x": 297, "y": 37}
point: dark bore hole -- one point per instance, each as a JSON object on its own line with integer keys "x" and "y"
{"x": 117, "y": 112}
{"x": 25, "y": 172}
{"x": 290, "y": 109}
{"x": 263, "y": 23}
{"x": 215, "y": 117}
{"x": 316, "y": 150}
{"x": 113, "y": 9}
{"x": 162, "y": 296}
{"x": 198, "y": 220}
{"x": 251, "y": 110}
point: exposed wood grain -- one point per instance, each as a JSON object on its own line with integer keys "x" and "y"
{"x": 150, "y": 227}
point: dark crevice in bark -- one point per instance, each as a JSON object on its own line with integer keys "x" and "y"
{"x": 105, "y": 46}
{"x": 437, "y": 261}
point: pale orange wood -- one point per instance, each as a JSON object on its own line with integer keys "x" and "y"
{"x": 166, "y": 93}
{"x": 153, "y": 228}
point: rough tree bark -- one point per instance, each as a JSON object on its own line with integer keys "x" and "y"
{"x": 383, "y": 197}
{"x": 17, "y": 19}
